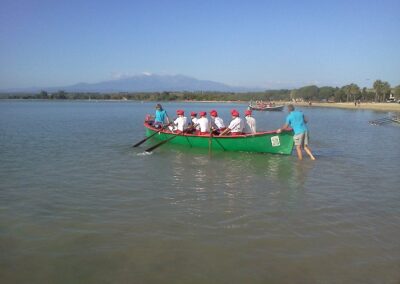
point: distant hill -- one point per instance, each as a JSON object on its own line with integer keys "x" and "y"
{"x": 143, "y": 83}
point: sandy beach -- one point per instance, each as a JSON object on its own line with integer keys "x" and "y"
{"x": 373, "y": 106}
{"x": 367, "y": 105}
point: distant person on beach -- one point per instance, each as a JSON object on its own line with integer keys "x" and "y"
{"x": 236, "y": 126}
{"x": 217, "y": 124}
{"x": 250, "y": 123}
{"x": 297, "y": 122}
{"x": 161, "y": 117}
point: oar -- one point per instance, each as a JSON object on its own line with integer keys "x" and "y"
{"x": 161, "y": 143}
{"x": 210, "y": 142}
{"x": 219, "y": 143}
{"x": 147, "y": 138}
{"x": 165, "y": 141}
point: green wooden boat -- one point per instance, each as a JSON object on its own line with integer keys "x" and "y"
{"x": 261, "y": 142}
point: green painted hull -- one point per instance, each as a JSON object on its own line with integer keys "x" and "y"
{"x": 264, "y": 142}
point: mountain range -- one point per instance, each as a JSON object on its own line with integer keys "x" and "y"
{"x": 142, "y": 83}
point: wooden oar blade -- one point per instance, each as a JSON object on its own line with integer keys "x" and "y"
{"x": 140, "y": 142}
{"x": 159, "y": 144}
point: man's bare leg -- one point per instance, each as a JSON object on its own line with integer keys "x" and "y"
{"x": 299, "y": 153}
{"x": 308, "y": 151}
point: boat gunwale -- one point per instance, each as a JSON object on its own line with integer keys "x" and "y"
{"x": 256, "y": 135}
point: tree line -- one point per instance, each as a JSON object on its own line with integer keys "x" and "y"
{"x": 380, "y": 92}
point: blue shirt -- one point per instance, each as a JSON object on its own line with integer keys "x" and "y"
{"x": 296, "y": 121}
{"x": 160, "y": 116}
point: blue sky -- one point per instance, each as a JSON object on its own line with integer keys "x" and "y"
{"x": 271, "y": 44}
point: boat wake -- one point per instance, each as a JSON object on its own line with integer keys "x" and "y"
{"x": 144, "y": 153}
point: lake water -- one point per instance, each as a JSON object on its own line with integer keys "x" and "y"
{"x": 78, "y": 204}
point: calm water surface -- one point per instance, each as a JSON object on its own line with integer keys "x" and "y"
{"x": 78, "y": 204}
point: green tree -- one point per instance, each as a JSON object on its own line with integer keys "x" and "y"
{"x": 382, "y": 90}
{"x": 308, "y": 92}
{"x": 386, "y": 91}
{"x": 354, "y": 91}
{"x": 326, "y": 93}
{"x": 60, "y": 95}
{"x": 339, "y": 95}
{"x": 396, "y": 92}
{"x": 378, "y": 86}
{"x": 43, "y": 95}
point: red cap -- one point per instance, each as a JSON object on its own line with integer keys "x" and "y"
{"x": 202, "y": 113}
{"x": 213, "y": 113}
{"x": 193, "y": 113}
{"x": 180, "y": 112}
{"x": 247, "y": 112}
{"x": 234, "y": 112}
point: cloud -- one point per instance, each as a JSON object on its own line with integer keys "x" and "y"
{"x": 121, "y": 75}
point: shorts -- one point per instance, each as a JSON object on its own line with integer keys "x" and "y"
{"x": 301, "y": 139}
{"x": 158, "y": 124}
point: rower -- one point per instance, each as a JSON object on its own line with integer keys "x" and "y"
{"x": 217, "y": 124}
{"x": 250, "y": 123}
{"x": 236, "y": 126}
{"x": 180, "y": 123}
{"x": 203, "y": 124}
{"x": 193, "y": 125}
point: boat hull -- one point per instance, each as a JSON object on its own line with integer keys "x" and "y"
{"x": 275, "y": 108}
{"x": 264, "y": 142}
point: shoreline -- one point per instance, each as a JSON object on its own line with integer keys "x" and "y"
{"x": 350, "y": 105}
{"x": 364, "y": 106}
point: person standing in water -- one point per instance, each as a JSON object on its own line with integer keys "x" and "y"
{"x": 297, "y": 122}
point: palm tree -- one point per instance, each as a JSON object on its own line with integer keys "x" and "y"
{"x": 385, "y": 90}
{"x": 382, "y": 89}
{"x": 354, "y": 91}
{"x": 378, "y": 85}
{"x": 346, "y": 90}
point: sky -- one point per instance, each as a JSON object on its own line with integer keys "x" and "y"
{"x": 268, "y": 44}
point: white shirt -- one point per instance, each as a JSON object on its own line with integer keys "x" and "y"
{"x": 203, "y": 124}
{"x": 250, "y": 125}
{"x": 217, "y": 123}
{"x": 236, "y": 125}
{"x": 180, "y": 123}
{"x": 194, "y": 121}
